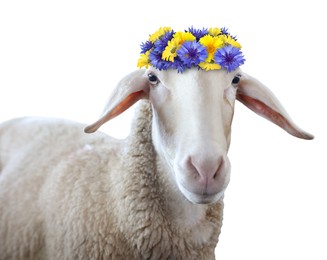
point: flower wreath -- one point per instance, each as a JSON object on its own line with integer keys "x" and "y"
{"x": 208, "y": 49}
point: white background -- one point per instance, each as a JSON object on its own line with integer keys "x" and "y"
{"x": 63, "y": 58}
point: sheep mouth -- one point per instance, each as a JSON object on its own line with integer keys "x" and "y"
{"x": 201, "y": 198}
{"x": 204, "y": 199}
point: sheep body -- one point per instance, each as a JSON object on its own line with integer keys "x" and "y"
{"x": 66, "y": 195}
{"x": 107, "y": 198}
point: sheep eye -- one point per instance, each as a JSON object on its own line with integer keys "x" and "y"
{"x": 236, "y": 79}
{"x": 153, "y": 78}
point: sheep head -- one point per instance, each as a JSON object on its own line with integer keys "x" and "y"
{"x": 192, "y": 116}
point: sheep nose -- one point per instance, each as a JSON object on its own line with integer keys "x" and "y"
{"x": 207, "y": 171}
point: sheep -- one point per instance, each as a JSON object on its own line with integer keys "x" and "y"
{"x": 158, "y": 194}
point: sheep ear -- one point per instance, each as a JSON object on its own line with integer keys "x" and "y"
{"x": 253, "y": 94}
{"x": 129, "y": 90}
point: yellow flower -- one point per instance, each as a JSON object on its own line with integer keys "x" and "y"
{"x": 144, "y": 61}
{"x": 170, "y": 51}
{"x": 209, "y": 66}
{"x": 155, "y": 36}
{"x": 175, "y": 43}
{"x": 212, "y": 44}
{"x": 214, "y": 31}
{"x": 229, "y": 40}
{"x": 184, "y": 36}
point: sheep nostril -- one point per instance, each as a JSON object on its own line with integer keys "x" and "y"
{"x": 192, "y": 168}
{"x": 219, "y": 169}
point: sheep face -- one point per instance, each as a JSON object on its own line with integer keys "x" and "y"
{"x": 192, "y": 116}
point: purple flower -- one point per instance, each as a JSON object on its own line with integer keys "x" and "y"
{"x": 160, "y": 44}
{"x": 224, "y": 30}
{"x": 177, "y": 65}
{"x": 198, "y": 33}
{"x": 157, "y": 62}
{"x": 229, "y": 57}
{"x": 145, "y": 46}
{"x": 192, "y": 53}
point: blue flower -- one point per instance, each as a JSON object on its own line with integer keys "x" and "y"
{"x": 229, "y": 57}
{"x": 192, "y": 53}
{"x": 224, "y": 30}
{"x": 177, "y": 65}
{"x": 157, "y": 62}
{"x": 146, "y": 46}
{"x": 198, "y": 33}
{"x": 161, "y": 43}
